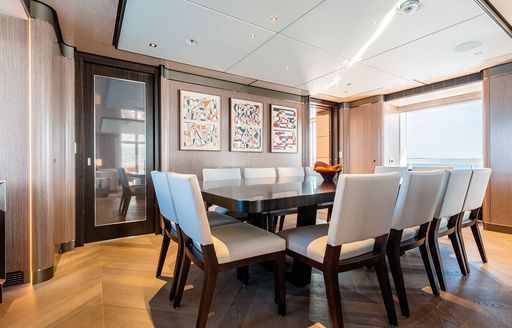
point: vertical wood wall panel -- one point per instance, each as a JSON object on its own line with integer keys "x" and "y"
{"x": 186, "y": 161}
{"x": 364, "y": 137}
{"x": 499, "y": 97}
{"x": 43, "y": 45}
{"x": 14, "y": 138}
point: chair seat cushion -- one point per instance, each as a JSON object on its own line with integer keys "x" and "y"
{"x": 409, "y": 233}
{"x": 238, "y": 241}
{"x": 311, "y": 241}
{"x": 217, "y": 219}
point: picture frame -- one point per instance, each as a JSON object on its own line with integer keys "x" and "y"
{"x": 284, "y": 123}
{"x": 246, "y": 126}
{"x": 200, "y": 121}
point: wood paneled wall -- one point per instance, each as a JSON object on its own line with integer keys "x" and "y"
{"x": 14, "y": 137}
{"x": 364, "y": 138}
{"x": 186, "y": 161}
{"x": 37, "y": 147}
{"x": 498, "y": 145}
{"x": 52, "y": 126}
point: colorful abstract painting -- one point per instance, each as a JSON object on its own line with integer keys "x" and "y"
{"x": 284, "y": 122}
{"x": 199, "y": 121}
{"x": 246, "y": 125}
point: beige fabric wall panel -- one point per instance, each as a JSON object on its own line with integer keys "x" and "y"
{"x": 187, "y": 161}
{"x": 14, "y": 136}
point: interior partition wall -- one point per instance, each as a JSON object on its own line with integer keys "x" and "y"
{"x": 37, "y": 157}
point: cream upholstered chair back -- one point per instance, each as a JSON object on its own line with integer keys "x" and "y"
{"x": 388, "y": 169}
{"x": 189, "y": 206}
{"x": 477, "y": 189}
{"x": 363, "y": 207}
{"x": 163, "y": 196}
{"x": 310, "y": 172}
{"x": 431, "y": 168}
{"x": 297, "y": 171}
{"x": 222, "y": 174}
{"x": 417, "y": 198}
{"x": 452, "y": 194}
{"x": 259, "y": 172}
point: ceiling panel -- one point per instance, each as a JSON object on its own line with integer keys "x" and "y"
{"x": 352, "y": 81}
{"x": 260, "y": 12}
{"x": 286, "y": 61}
{"x": 348, "y": 27}
{"x": 13, "y": 8}
{"x": 435, "y": 54}
{"x": 221, "y": 39}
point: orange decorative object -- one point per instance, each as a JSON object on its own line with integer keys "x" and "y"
{"x": 327, "y": 171}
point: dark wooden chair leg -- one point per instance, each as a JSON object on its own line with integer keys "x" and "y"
{"x": 126, "y": 204}
{"x": 210, "y": 279}
{"x": 177, "y": 271}
{"x": 242, "y": 274}
{"x": 329, "y": 213}
{"x": 479, "y": 242}
{"x": 163, "y": 252}
{"x": 332, "y": 289}
{"x": 393, "y": 252}
{"x": 281, "y": 222}
{"x": 433, "y": 245}
{"x": 182, "y": 280}
{"x": 280, "y": 284}
{"x": 425, "y": 256}
{"x": 120, "y": 211}
{"x": 385, "y": 288}
{"x": 457, "y": 247}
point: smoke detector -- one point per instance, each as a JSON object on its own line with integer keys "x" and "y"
{"x": 409, "y": 7}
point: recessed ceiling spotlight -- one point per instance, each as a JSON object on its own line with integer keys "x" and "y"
{"x": 192, "y": 42}
{"x": 152, "y": 45}
{"x": 345, "y": 91}
{"x": 409, "y": 7}
{"x": 478, "y": 53}
{"x": 349, "y": 84}
{"x": 252, "y": 36}
{"x": 467, "y": 46}
{"x": 273, "y": 19}
{"x": 287, "y": 67}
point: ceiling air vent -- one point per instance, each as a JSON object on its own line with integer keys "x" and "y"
{"x": 409, "y": 7}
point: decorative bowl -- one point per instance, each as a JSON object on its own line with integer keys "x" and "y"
{"x": 327, "y": 171}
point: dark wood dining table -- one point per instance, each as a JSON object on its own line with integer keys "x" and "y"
{"x": 255, "y": 197}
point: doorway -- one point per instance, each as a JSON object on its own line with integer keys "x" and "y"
{"x": 117, "y": 148}
{"x": 323, "y": 133}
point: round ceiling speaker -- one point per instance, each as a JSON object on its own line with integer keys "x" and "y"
{"x": 409, "y": 7}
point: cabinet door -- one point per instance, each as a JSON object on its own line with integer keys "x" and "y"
{"x": 365, "y": 125}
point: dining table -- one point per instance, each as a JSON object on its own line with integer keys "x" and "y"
{"x": 257, "y": 197}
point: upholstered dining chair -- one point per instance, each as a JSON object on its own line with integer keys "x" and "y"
{"x": 218, "y": 174}
{"x": 220, "y": 248}
{"x": 472, "y": 210}
{"x": 168, "y": 213}
{"x": 388, "y": 169}
{"x": 446, "y": 218}
{"x": 413, "y": 213}
{"x": 356, "y": 236}
{"x": 310, "y": 172}
{"x": 259, "y": 172}
{"x": 128, "y": 191}
{"x": 431, "y": 168}
{"x": 294, "y": 171}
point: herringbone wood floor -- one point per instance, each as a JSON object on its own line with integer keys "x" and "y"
{"x": 112, "y": 284}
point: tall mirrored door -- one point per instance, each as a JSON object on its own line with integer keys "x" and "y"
{"x": 118, "y": 123}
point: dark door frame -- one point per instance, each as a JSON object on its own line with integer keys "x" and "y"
{"x": 333, "y": 125}
{"x": 81, "y": 59}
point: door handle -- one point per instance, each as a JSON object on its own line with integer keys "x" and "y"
{"x": 89, "y": 161}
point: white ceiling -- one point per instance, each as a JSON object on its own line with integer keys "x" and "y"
{"x": 13, "y": 8}
{"x": 340, "y": 48}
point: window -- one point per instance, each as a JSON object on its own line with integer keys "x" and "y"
{"x": 449, "y": 135}
{"x": 133, "y": 151}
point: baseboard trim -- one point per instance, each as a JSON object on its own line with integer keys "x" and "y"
{"x": 67, "y": 246}
{"x": 42, "y": 275}
{"x": 497, "y": 227}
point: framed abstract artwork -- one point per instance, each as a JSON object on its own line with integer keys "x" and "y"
{"x": 284, "y": 121}
{"x": 246, "y": 121}
{"x": 199, "y": 121}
